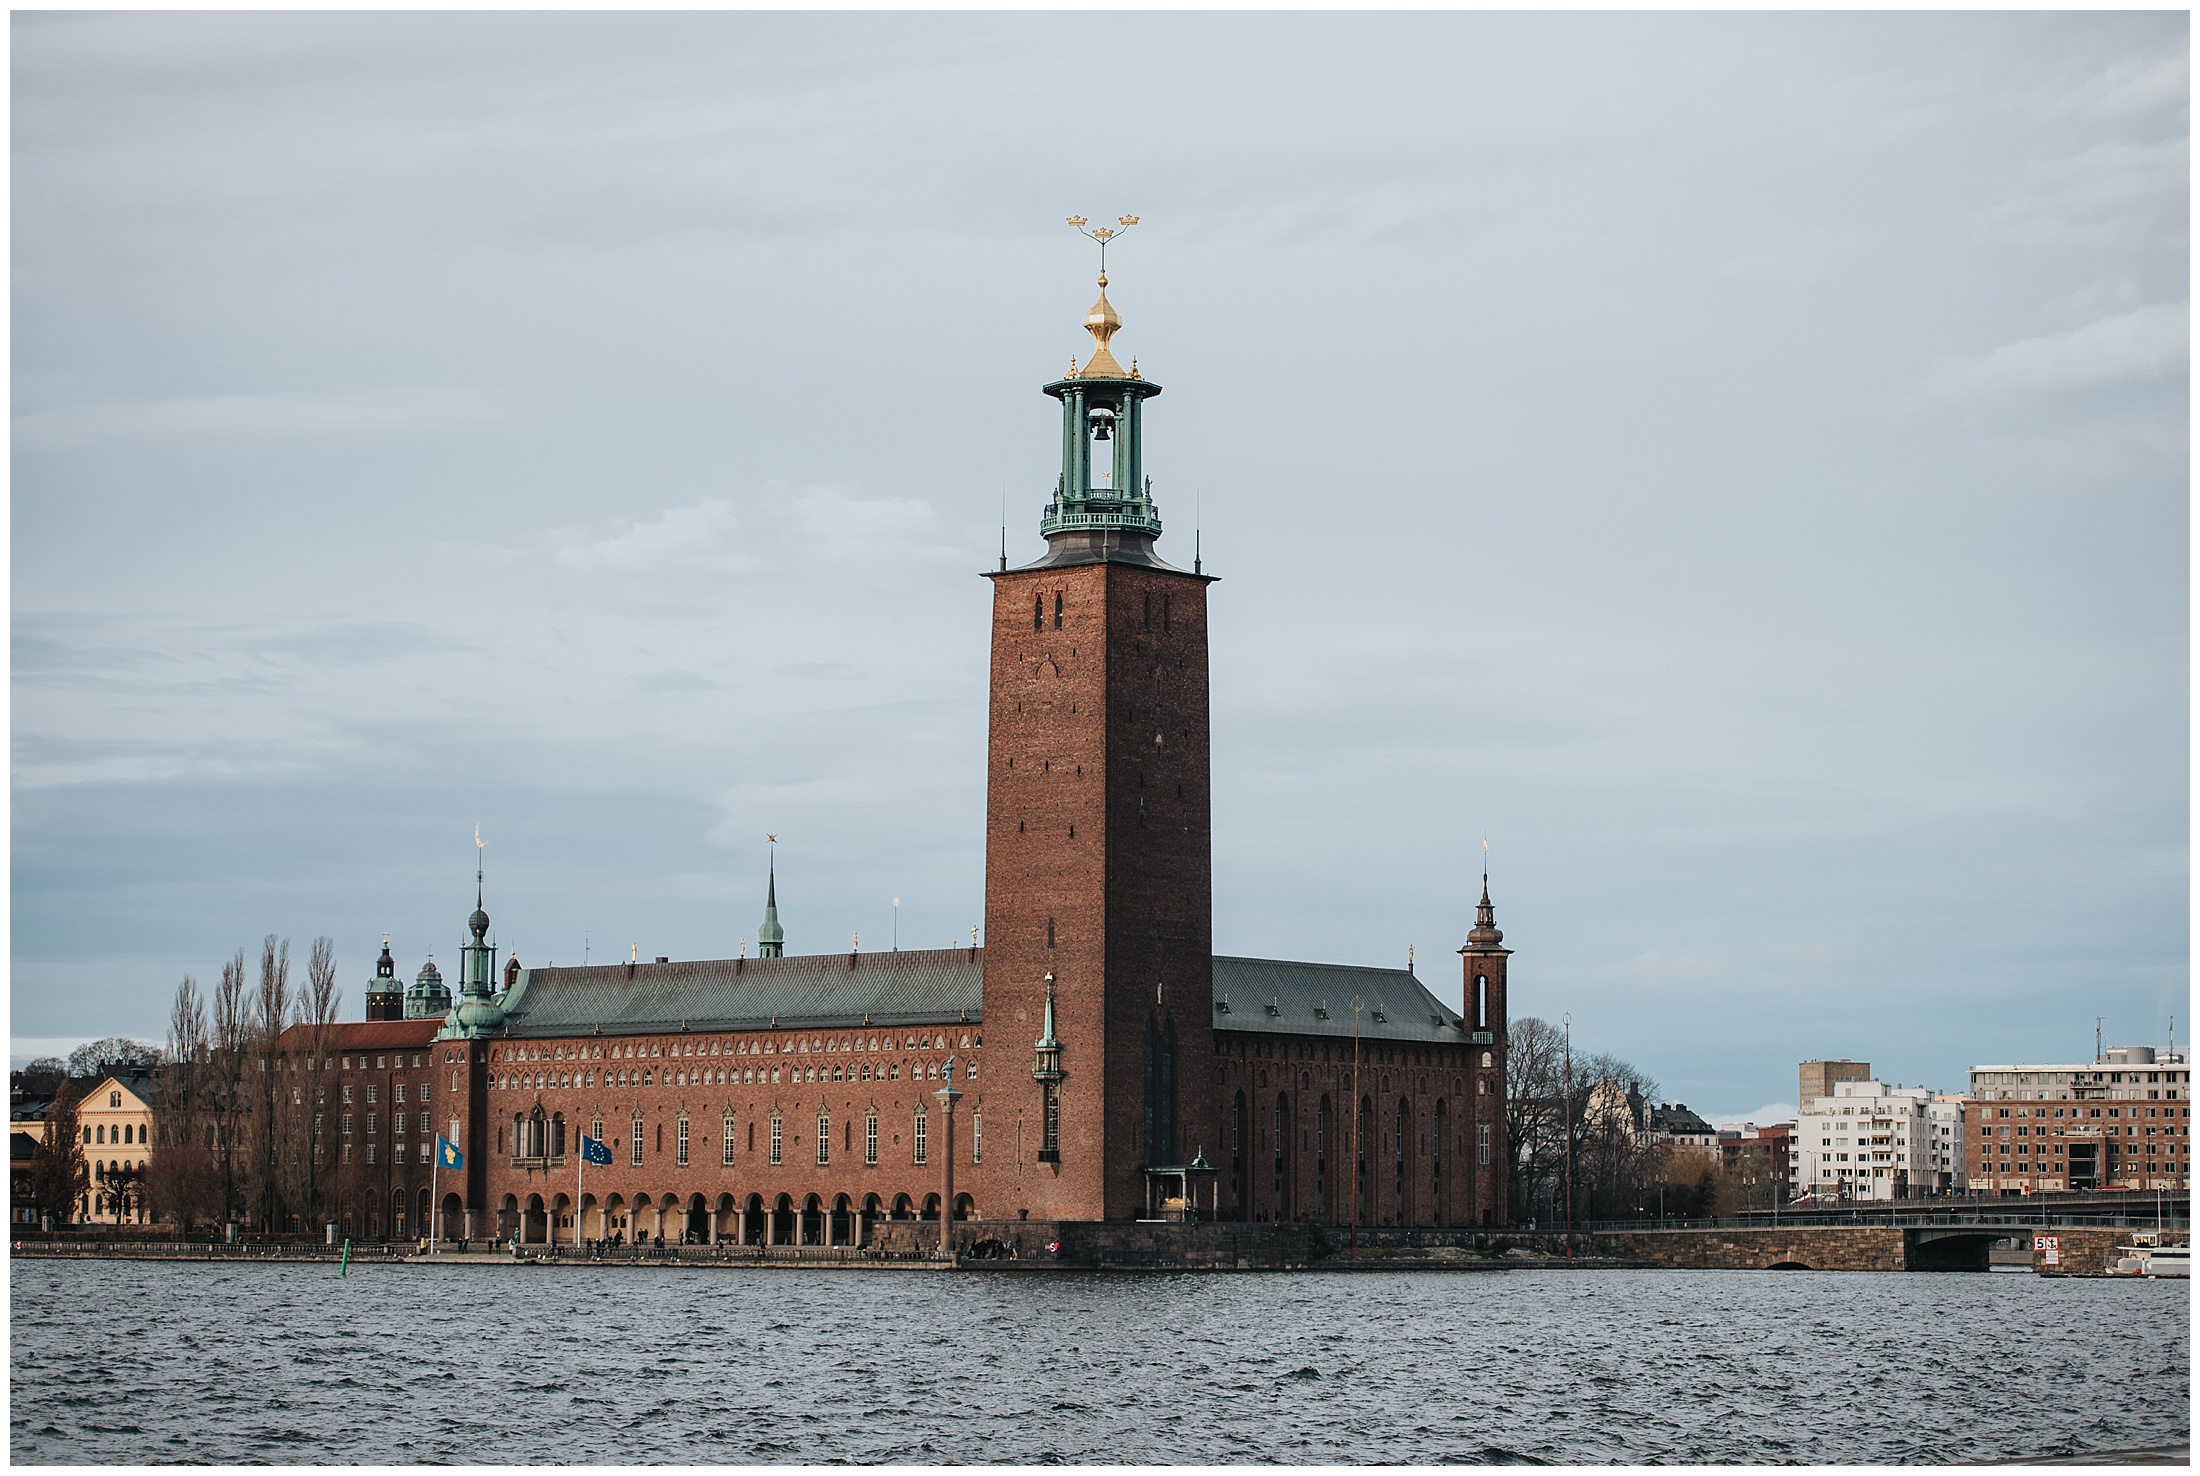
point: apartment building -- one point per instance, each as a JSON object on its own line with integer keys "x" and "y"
{"x": 2121, "y": 1121}
{"x": 1871, "y": 1141}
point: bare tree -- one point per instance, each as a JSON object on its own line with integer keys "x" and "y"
{"x": 42, "y": 1076}
{"x": 1544, "y": 1119}
{"x": 115, "y": 1053}
{"x": 232, "y": 1043}
{"x": 1534, "y": 1146}
{"x": 271, "y": 1013}
{"x": 183, "y": 1184}
{"x": 62, "y": 1179}
{"x": 317, "y": 1012}
{"x": 182, "y": 1178}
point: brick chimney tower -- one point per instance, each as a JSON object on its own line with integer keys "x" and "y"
{"x": 1099, "y": 872}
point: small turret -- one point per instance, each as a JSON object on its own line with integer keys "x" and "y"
{"x": 1484, "y": 933}
{"x": 385, "y": 996}
{"x": 429, "y": 995}
{"x": 477, "y": 1013}
{"x": 1046, "y": 1069}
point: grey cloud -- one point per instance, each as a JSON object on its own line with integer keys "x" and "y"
{"x": 2149, "y": 343}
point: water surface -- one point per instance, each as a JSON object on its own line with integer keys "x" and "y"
{"x": 122, "y": 1362}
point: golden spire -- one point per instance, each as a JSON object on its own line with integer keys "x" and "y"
{"x": 1102, "y": 324}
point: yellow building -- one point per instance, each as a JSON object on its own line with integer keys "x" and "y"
{"x": 115, "y": 1124}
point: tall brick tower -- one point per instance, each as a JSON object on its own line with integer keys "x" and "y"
{"x": 1484, "y": 957}
{"x": 1098, "y": 878}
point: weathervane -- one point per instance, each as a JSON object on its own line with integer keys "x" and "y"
{"x": 1103, "y": 235}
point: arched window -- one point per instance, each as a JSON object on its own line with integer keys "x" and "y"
{"x": 777, "y": 1129}
{"x": 1436, "y": 1167}
{"x": 1321, "y": 1157}
{"x": 1038, "y": 612}
{"x": 1481, "y": 1001}
{"x": 725, "y": 1154}
{"x": 918, "y": 1133}
{"x": 681, "y": 1145}
{"x": 1237, "y": 1152}
{"x": 824, "y": 1137}
{"x": 557, "y": 1136}
{"x": 1402, "y": 1132}
{"x": 1057, "y": 609}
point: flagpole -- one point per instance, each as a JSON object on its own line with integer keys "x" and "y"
{"x": 435, "y": 1200}
{"x": 580, "y": 1172}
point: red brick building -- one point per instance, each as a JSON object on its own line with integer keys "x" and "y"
{"x": 1130, "y": 1072}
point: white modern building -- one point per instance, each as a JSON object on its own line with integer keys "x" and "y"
{"x": 1871, "y": 1141}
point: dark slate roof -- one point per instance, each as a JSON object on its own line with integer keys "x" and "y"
{"x": 936, "y": 986}
{"x": 1675, "y": 1117}
{"x": 21, "y": 1146}
{"x": 1270, "y": 996}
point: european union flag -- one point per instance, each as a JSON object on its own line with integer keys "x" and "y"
{"x": 447, "y": 1154}
{"x": 595, "y": 1150}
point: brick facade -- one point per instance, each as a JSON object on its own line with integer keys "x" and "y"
{"x": 1099, "y": 867}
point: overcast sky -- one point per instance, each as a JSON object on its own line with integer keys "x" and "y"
{"x": 1737, "y": 462}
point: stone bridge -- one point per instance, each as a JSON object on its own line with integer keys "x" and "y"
{"x": 1808, "y": 1248}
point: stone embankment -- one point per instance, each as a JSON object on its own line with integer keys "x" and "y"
{"x": 2081, "y": 1252}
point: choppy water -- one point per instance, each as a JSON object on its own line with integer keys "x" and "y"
{"x": 126, "y": 1362}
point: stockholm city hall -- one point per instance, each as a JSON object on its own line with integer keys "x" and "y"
{"x": 817, "y": 1098}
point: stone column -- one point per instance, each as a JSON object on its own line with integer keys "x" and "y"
{"x": 948, "y": 1096}
{"x": 771, "y": 1225}
{"x": 711, "y": 1218}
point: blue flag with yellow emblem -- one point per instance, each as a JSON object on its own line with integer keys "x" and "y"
{"x": 447, "y": 1154}
{"x": 595, "y": 1150}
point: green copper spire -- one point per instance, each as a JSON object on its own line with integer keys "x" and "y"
{"x": 1046, "y": 1051}
{"x": 477, "y": 1013}
{"x": 771, "y": 939}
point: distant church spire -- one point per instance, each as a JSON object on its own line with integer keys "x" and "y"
{"x": 771, "y": 939}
